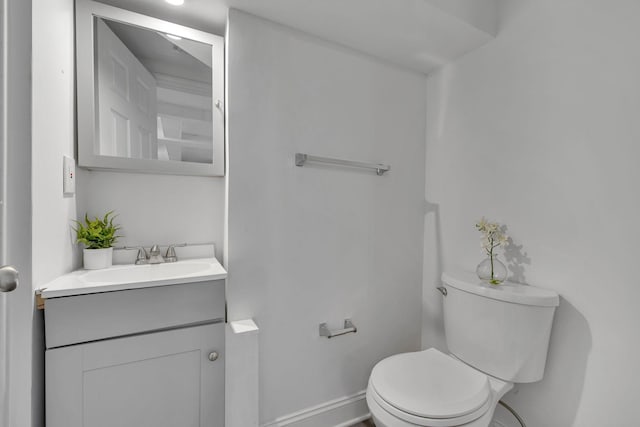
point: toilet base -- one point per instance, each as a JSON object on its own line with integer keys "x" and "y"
{"x": 382, "y": 418}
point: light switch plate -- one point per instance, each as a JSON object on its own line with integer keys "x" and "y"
{"x": 68, "y": 176}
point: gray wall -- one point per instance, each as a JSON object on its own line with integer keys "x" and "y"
{"x": 319, "y": 244}
{"x": 160, "y": 209}
{"x": 539, "y": 130}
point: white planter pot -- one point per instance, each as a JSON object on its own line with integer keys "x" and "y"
{"x": 95, "y": 259}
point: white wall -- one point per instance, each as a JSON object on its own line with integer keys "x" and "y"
{"x": 319, "y": 244}
{"x": 539, "y": 130}
{"x": 53, "y": 136}
{"x": 152, "y": 208}
{"x": 160, "y": 209}
{"x": 482, "y": 14}
{"x": 52, "y": 130}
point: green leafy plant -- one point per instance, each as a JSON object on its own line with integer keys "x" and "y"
{"x": 97, "y": 233}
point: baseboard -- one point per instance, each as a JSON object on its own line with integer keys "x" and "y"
{"x": 342, "y": 412}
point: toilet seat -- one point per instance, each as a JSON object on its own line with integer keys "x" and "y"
{"x": 429, "y": 388}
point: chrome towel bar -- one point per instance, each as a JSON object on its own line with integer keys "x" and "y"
{"x": 349, "y": 327}
{"x": 302, "y": 158}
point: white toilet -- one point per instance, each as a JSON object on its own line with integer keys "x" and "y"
{"x": 497, "y": 336}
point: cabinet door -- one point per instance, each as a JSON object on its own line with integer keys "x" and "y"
{"x": 162, "y": 379}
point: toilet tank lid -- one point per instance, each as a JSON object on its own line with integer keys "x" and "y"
{"x": 508, "y": 291}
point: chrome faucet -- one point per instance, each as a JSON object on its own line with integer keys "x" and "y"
{"x": 154, "y": 255}
{"x": 144, "y": 257}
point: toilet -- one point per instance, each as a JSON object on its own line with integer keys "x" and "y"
{"x": 497, "y": 336}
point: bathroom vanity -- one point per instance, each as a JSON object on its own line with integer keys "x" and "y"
{"x": 136, "y": 346}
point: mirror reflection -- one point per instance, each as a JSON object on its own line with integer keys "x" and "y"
{"x": 153, "y": 94}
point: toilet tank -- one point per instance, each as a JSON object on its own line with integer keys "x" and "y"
{"x": 502, "y": 330}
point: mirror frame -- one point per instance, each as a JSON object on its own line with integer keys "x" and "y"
{"x": 87, "y": 114}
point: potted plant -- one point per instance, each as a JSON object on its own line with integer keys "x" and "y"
{"x": 98, "y": 236}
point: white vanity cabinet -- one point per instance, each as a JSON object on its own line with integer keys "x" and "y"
{"x": 134, "y": 358}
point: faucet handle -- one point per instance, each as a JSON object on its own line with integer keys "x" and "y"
{"x": 171, "y": 256}
{"x": 142, "y": 256}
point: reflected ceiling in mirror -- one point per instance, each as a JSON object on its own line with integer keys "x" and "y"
{"x": 154, "y": 93}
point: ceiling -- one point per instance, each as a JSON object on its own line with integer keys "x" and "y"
{"x": 416, "y": 34}
{"x": 188, "y": 59}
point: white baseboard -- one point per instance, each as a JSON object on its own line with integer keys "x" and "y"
{"x": 342, "y": 412}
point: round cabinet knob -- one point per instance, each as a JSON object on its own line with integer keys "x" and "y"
{"x": 213, "y": 356}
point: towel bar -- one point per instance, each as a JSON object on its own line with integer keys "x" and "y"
{"x": 302, "y": 158}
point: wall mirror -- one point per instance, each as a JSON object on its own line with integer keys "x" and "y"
{"x": 149, "y": 94}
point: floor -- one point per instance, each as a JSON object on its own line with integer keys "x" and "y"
{"x": 367, "y": 423}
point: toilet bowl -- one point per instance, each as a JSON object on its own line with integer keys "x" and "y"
{"x": 497, "y": 336}
{"x": 431, "y": 389}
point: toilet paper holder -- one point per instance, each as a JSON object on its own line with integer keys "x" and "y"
{"x": 349, "y": 327}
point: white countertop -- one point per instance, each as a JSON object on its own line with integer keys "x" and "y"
{"x": 124, "y": 277}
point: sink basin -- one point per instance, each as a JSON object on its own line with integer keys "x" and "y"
{"x": 123, "y": 277}
{"x": 144, "y": 273}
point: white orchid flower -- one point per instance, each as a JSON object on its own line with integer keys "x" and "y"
{"x": 482, "y": 224}
{"x": 492, "y": 235}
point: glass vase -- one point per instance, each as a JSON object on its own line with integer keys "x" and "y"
{"x": 492, "y": 270}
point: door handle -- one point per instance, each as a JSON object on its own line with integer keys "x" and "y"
{"x": 8, "y": 278}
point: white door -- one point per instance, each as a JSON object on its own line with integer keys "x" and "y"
{"x": 15, "y": 237}
{"x": 127, "y": 98}
{"x": 8, "y": 283}
{"x": 4, "y": 401}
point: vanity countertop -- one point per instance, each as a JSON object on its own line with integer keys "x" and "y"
{"x": 124, "y": 277}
